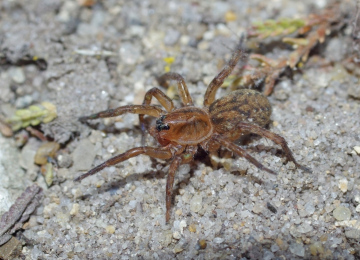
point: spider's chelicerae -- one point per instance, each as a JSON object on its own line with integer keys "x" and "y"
{"x": 180, "y": 131}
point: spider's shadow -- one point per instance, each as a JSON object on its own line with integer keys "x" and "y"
{"x": 112, "y": 186}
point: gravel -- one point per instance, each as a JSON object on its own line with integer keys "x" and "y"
{"x": 109, "y": 55}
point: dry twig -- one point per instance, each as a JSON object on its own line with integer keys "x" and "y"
{"x": 309, "y": 32}
{"x": 19, "y": 212}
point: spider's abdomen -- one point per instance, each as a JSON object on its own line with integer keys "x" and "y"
{"x": 185, "y": 126}
{"x": 244, "y": 105}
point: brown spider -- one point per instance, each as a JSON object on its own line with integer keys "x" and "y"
{"x": 181, "y": 130}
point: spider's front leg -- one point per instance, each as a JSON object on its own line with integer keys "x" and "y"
{"x": 255, "y": 129}
{"x": 186, "y": 157}
{"x": 158, "y": 153}
{"x": 169, "y": 185}
{"x": 182, "y": 87}
{"x": 164, "y": 100}
{"x": 133, "y": 109}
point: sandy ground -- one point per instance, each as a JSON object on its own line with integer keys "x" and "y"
{"x": 110, "y": 55}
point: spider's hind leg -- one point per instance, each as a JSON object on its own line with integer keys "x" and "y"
{"x": 255, "y": 129}
{"x": 240, "y": 152}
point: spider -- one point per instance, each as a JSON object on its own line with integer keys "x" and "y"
{"x": 180, "y": 131}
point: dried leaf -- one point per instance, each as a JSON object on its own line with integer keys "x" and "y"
{"x": 310, "y": 31}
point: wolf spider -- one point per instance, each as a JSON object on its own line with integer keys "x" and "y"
{"x": 180, "y": 131}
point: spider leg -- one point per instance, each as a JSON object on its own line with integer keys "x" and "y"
{"x": 186, "y": 157}
{"x": 216, "y": 83}
{"x": 182, "y": 88}
{"x": 169, "y": 185}
{"x": 159, "y": 153}
{"x": 252, "y": 128}
{"x": 164, "y": 100}
{"x": 241, "y": 152}
{"x": 133, "y": 109}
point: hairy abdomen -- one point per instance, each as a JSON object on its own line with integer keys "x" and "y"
{"x": 244, "y": 105}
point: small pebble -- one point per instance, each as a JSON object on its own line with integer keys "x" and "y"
{"x": 83, "y": 155}
{"x": 17, "y": 74}
{"x": 274, "y": 248}
{"x": 129, "y": 53}
{"x": 343, "y": 185}
{"x": 178, "y": 212}
{"x": 176, "y": 235}
{"x": 196, "y": 203}
{"x": 304, "y": 228}
{"x": 357, "y": 208}
{"x": 178, "y": 249}
{"x": 28, "y": 154}
{"x": 100, "y": 183}
{"x": 166, "y": 237}
{"x": 357, "y": 198}
{"x": 357, "y": 149}
{"x": 75, "y": 209}
{"x": 77, "y": 193}
{"x": 268, "y": 255}
{"x": 110, "y": 229}
{"x": 192, "y": 228}
{"x": 24, "y": 101}
{"x": 218, "y": 240}
{"x": 132, "y": 204}
{"x": 297, "y": 249}
{"x": 352, "y": 251}
{"x": 202, "y": 244}
{"x": 230, "y": 16}
{"x": 5, "y": 130}
{"x": 342, "y": 213}
{"x": 64, "y": 161}
{"x": 353, "y": 233}
{"x": 309, "y": 208}
{"x": 280, "y": 243}
{"x": 182, "y": 225}
{"x": 316, "y": 248}
{"x": 258, "y": 207}
{"x": 271, "y": 207}
{"x": 171, "y": 37}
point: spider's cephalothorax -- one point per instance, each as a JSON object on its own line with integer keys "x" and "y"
{"x": 180, "y": 131}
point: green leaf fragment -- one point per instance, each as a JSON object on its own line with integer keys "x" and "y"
{"x": 33, "y": 115}
{"x": 283, "y": 26}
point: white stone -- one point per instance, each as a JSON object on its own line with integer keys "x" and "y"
{"x": 196, "y": 203}
{"x": 343, "y": 185}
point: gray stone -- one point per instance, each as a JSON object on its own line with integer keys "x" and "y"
{"x": 83, "y": 156}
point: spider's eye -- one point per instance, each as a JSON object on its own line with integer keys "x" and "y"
{"x": 161, "y": 127}
{"x": 160, "y": 124}
{"x": 165, "y": 127}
